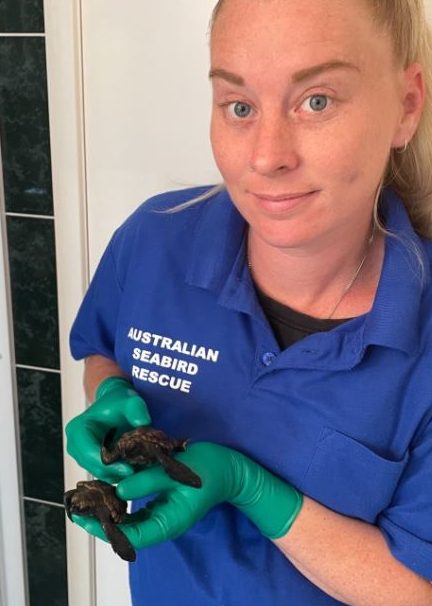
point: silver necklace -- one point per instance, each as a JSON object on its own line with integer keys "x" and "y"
{"x": 355, "y": 276}
{"x": 352, "y": 280}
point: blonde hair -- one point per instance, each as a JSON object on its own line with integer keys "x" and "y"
{"x": 408, "y": 171}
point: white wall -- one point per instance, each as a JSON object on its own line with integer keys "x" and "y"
{"x": 147, "y": 105}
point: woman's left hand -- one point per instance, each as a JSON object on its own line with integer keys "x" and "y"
{"x": 226, "y": 476}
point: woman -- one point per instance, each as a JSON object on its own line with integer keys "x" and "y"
{"x": 283, "y": 322}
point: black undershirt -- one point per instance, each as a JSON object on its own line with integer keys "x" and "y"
{"x": 290, "y": 326}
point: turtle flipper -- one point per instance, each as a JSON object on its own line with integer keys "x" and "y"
{"x": 67, "y": 500}
{"x": 178, "y": 471}
{"x": 119, "y": 541}
{"x": 109, "y": 453}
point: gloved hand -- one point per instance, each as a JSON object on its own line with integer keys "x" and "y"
{"x": 227, "y": 475}
{"x": 118, "y": 405}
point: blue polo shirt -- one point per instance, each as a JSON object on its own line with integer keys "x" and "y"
{"x": 345, "y": 415}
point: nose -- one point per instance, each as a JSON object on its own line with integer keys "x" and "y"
{"x": 274, "y": 150}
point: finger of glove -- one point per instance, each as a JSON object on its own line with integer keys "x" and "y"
{"x": 114, "y": 408}
{"x": 84, "y": 440}
{"x": 84, "y": 427}
{"x": 167, "y": 520}
{"x": 90, "y": 460}
{"x": 119, "y": 473}
{"x": 146, "y": 482}
{"x": 90, "y": 525}
{"x": 136, "y": 412}
{"x": 84, "y": 436}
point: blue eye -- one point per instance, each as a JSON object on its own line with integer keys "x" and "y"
{"x": 241, "y": 110}
{"x": 318, "y": 102}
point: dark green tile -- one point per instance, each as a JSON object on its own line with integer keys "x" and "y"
{"x": 34, "y": 291}
{"x": 39, "y": 400}
{"x": 20, "y": 16}
{"x": 24, "y": 128}
{"x": 46, "y": 554}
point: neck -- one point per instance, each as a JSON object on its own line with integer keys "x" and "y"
{"x": 318, "y": 281}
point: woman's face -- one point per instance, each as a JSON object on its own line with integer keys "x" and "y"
{"x": 306, "y": 99}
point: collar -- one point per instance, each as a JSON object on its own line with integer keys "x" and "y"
{"x": 394, "y": 320}
{"x": 218, "y": 255}
{"x": 218, "y": 263}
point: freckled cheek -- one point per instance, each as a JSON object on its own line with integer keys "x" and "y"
{"x": 228, "y": 150}
{"x": 228, "y": 162}
{"x": 362, "y": 153}
{"x": 362, "y": 168}
{"x": 348, "y": 173}
{"x": 346, "y": 163}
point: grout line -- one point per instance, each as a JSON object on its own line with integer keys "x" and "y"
{"x": 21, "y": 35}
{"x": 43, "y": 502}
{"x": 38, "y": 368}
{"x": 29, "y": 216}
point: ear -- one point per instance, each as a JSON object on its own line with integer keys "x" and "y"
{"x": 413, "y": 96}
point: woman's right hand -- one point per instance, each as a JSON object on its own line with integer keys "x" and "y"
{"x": 117, "y": 405}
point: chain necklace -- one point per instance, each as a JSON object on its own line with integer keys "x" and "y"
{"x": 353, "y": 278}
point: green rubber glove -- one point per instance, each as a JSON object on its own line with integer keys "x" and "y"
{"x": 118, "y": 405}
{"x": 226, "y": 475}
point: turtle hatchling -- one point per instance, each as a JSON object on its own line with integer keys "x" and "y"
{"x": 146, "y": 445}
{"x": 98, "y": 499}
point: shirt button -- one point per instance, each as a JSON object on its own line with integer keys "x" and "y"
{"x": 268, "y": 358}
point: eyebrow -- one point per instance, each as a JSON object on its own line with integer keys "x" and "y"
{"x": 300, "y": 76}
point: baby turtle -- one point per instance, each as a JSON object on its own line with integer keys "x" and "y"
{"x": 146, "y": 445}
{"x": 99, "y": 499}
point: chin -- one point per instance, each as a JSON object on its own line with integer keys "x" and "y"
{"x": 279, "y": 233}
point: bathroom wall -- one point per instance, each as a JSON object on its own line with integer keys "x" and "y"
{"x": 27, "y": 214}
{"x": 99, "y": 175}
{"x": 142, "y": 84}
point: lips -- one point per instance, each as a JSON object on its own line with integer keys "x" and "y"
{"x": 283, "y": 203}
{"x": 280, "y": 197}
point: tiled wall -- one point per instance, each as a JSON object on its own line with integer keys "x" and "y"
{"x": 24, "y": 137}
